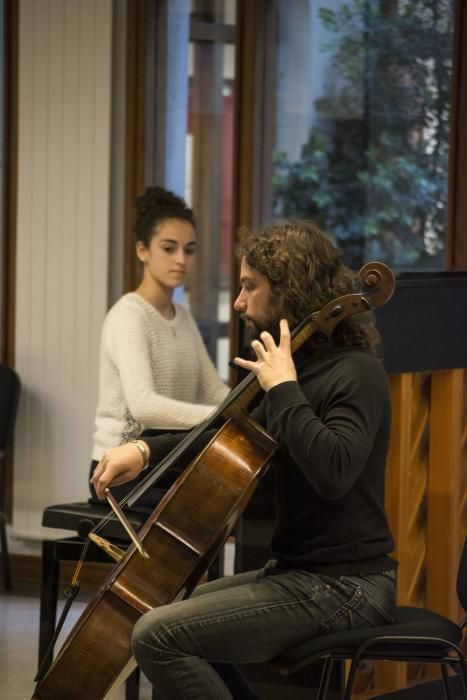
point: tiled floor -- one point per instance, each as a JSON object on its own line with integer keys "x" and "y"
{"x": 19, "y": 631}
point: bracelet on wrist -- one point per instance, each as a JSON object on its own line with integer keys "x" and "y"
{"x": 144, "y": 451}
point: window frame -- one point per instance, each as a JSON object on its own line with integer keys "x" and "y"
{"x": 456, "y": 236}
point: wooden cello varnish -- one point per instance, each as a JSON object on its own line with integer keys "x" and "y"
{"x": 182, "y": 537}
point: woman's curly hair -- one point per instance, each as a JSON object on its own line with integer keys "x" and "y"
{"x": 155, "y": 206}
{"x": 305, "y": 272}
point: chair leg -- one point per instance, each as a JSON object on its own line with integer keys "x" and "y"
{"x": 132, "y": 685}
{"x": 447, "y": 690}
{"x": 463, "y": 665}
{"x": 5, "y": 554}
{"x": 351, "y": 677}
{"x": 49, "y": 595}
{"x": 216, "y": 570}
{"x": 459, "y": 673}
{"x": 325, "y": 678}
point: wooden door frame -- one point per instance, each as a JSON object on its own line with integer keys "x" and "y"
{"x": 9, "y": 183}
{"x": 254, "y": 131}
{"x": 456, "y": 237}
{"x": 140, "y": 17}
{"x": 9, "y": 202}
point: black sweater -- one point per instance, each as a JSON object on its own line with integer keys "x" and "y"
{"x": 333, "y": 433}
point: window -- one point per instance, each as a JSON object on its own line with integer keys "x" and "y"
{"x": 362, "y": 105}
{"x": 194, "y": 148}
{"x": 209, "y": 171}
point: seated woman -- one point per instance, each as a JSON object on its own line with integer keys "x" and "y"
{"x": 155, "y": 372}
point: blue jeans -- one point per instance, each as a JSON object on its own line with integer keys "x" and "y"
{"x": 247, "y": 618}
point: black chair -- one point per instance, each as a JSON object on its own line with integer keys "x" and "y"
{"x": 418, "y": 635}
{"x": 10, "y": 388}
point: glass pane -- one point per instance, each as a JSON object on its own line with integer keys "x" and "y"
{"x": 198, "y": 157}
{"x": 362, "y": 124}
{"x": 209, "y": 163}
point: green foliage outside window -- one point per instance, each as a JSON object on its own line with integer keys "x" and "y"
{"x": 374, "y": 172}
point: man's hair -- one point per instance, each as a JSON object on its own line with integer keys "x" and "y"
{"x": 306, "y": 271}
{"x": 155, "y": 206}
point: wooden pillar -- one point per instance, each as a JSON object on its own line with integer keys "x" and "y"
{"x": 393, "y": 676}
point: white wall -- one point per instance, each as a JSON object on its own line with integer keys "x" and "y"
{"x": 65, "y": 61}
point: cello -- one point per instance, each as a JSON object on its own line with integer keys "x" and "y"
{"x": 189, "y": 526}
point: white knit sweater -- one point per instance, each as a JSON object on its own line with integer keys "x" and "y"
{"x": 154, "y": 373}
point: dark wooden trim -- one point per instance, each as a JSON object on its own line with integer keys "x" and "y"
{"x": 456, "y": 238}
{"x": 9, "y": 184}
{"x": 207, "y": 128}
{"x": 8, "y": 226}
{"x": 254, "y": 94}
{"x": 145, "y": 115}
{"x": 27, "y": 568}
{"x": 243, "y": 150}
{"x": 211, "y": 31}
{"x": 264, "y": 116}
{"x": 244, "y": 110}
{"x": 156, "y": 92}
{"x": 135, "y": 131}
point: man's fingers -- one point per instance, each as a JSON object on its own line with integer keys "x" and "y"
{"x": 246, "y": 364}
{"x": 268, "y": 340}
{"x": 284, "y": 342}
{"x": 258, "y": 348}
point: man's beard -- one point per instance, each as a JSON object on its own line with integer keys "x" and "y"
{"x": 253, "y": 332}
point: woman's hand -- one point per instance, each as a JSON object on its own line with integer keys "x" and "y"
{"x": 117, "y": 466}
{"x": 274, "y": 364}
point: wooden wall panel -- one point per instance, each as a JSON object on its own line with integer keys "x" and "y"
{"x": 406, "y": 487}
{"x": 426, "y": 499}
{"x": 447, "y": 491}
{"x": 407, "y": 473}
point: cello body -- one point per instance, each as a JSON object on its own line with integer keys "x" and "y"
{"x": 182, "y": 536}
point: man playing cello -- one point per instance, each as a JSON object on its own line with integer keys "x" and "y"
{"x": 329, "y": 410}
